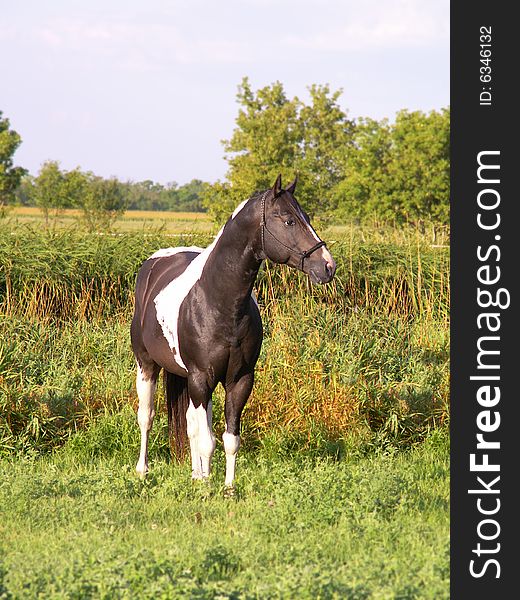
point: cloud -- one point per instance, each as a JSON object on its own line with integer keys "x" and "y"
{"x": 136, "y": 46}
{"x": 205, "y": 34}
{"x": 381, "y": 25}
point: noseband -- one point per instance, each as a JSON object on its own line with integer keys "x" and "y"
{"x": 264, "y": 228}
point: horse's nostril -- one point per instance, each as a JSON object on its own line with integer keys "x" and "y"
{"x": 329, "y": 268}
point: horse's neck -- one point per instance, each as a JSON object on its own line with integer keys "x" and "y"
{"x": 231, "y": 269}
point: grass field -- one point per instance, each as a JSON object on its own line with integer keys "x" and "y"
{"x": 190, "y": 223}
{"x": 74, "y": 526}
{"x": 343, "y": 474}
{"x": 133, "y": 220}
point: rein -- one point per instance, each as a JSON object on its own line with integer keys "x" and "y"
{"x": 264, "y": 228}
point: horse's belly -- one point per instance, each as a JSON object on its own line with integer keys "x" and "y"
{"x": 162, "y": 271}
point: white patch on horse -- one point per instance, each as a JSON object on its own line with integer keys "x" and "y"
{"x": 327, "y": 257}
{"x": 309, "y": 226}
{"x": 239, "y": 208}
{"x": 171, "y": 251}
{"x": 202, "y": 441}
{"x": 145, "y": 416}
{"x": 168, "y": 301}
{"x": 311, "y": 229}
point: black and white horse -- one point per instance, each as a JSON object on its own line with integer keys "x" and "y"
{"x": 197, "y": 319}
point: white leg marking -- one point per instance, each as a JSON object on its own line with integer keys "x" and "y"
{"x": 192, "y": 426}
{"x": 145, "y": 416}
{"x": 231, "y": 446}
{"x": 206, "y": 438}
{"x": 202, "y": 440}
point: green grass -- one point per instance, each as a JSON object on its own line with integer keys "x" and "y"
{"x": 343, "y": 471}
{"x": 80, "y": 524}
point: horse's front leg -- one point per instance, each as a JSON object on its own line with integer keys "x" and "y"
{"x": 199, "y": 421}
{"x": 237, "y": 394}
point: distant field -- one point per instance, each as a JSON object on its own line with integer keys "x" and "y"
{"x": 132, "y": 220}
{"x": 189, "y": 223}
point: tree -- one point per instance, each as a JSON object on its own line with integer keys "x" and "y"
{"x": 49, "y": 190}
{"x": 103, "y": 200}
{"x": 10, "y": 176}
{"x": 327, "y": 136}
{"x": 276, "y": 135}
{"x": 148, "y": 195}
{"x": 54, "y": 190}
{"x": 188, "y": 197}
{"x": 361, "y": 191}
{"x": 419, "y": 171}
{"x": 398, "y": 171}
{"x": 145, "y": 195}
{"x": 23, "y": 194}
{"x": 265, "y": 141}
{"x": 100, "y": 200}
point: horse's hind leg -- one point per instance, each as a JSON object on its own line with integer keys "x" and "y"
{"x": 146, "y": 383}
{"x": 237, "y": 394}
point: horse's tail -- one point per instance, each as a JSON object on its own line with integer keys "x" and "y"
{"x": 177, "y": 401}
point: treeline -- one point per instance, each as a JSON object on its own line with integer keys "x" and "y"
{"x": 349, "y": 169}
{"x": 55, "y": 189}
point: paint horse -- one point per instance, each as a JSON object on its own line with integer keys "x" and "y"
{"x": 197, "y": 319}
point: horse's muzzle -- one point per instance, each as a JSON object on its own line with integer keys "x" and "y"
{"x": 322, "y": 269}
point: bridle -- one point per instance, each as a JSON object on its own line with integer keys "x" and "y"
{"x": 264, "y": 228}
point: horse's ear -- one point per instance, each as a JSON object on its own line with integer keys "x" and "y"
{"x": 277, "y": 187}
{"x": 292, "y": 187}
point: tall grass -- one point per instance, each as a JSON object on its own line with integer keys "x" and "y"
{"x": 71, "y": 274}
{"x": 366, "y": 355}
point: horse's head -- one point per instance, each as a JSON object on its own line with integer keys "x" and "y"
{"x": 287, "y": 236}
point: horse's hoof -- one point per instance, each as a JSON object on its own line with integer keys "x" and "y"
{"x": 141, "y": 473}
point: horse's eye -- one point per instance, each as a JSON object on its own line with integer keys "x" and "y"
{"x": 289, "y": 222}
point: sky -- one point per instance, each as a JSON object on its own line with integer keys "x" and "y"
{"x": 147, "y": 89}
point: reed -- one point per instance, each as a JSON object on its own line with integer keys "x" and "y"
{"x": 366, "y": 355}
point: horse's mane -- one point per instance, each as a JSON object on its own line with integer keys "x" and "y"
{"x": 257, "y": 194}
